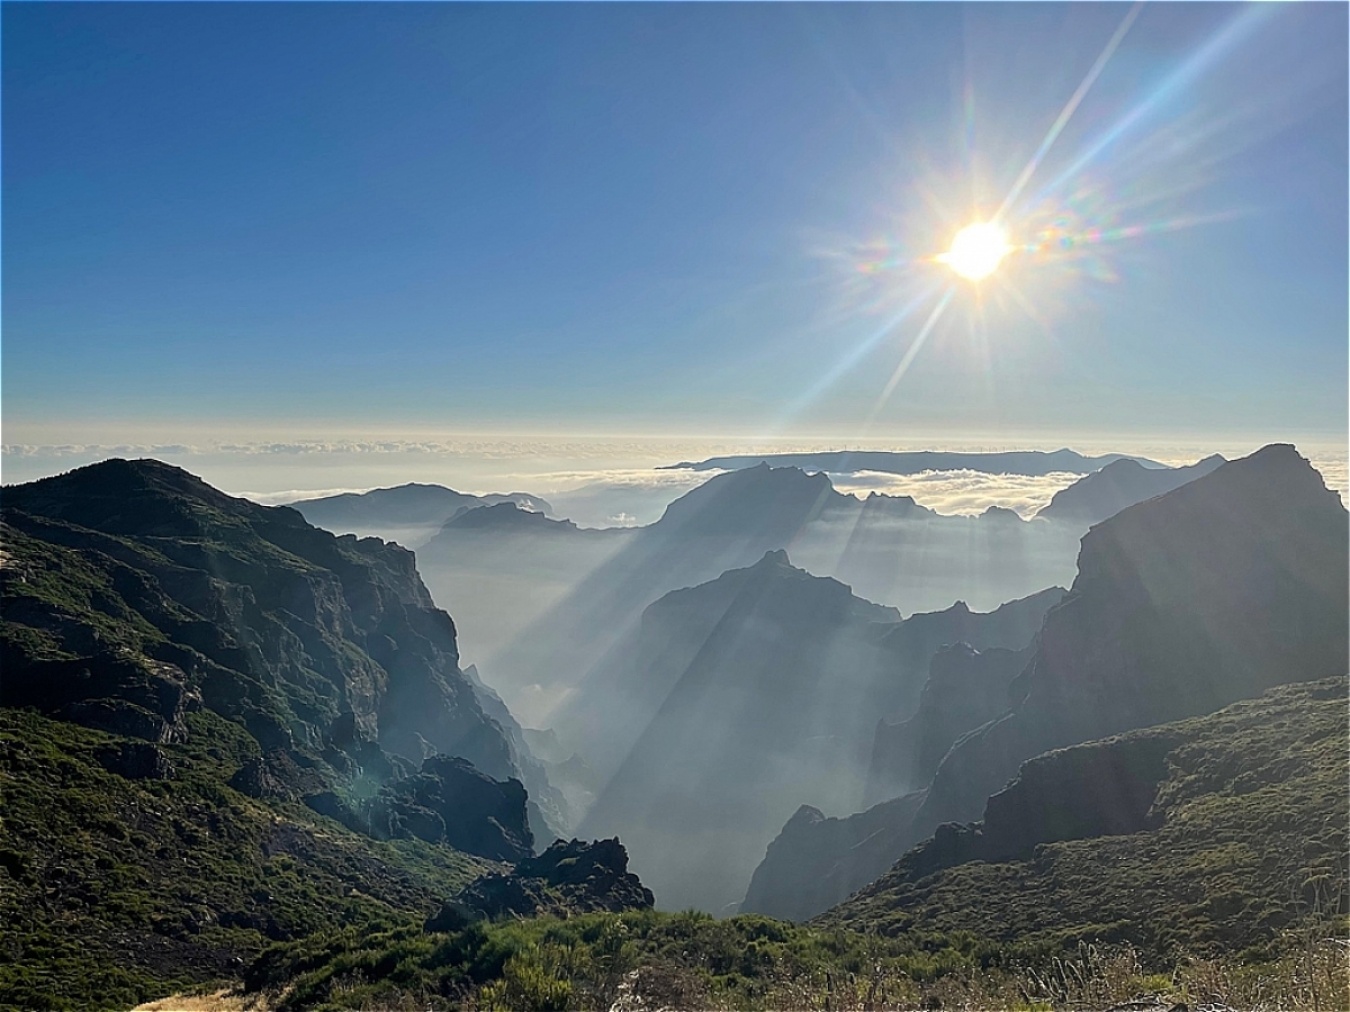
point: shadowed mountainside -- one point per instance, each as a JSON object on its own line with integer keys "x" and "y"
{"x": 1103, "y": 494}
{"x": 409, "y": 514}
{"x": 888, "y": 549}
{"x": 137, "y": 564}
{"x": 741, "y": 699}
{"x": 1216, "y": 833}
{"x": 1210, "y": 593}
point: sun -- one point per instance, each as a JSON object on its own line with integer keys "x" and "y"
{"x": 977, "y": 250}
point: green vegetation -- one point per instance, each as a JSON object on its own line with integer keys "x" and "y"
{"x": 114, "y": 891}
{"x": 1251, "y": 847}
{"x": 648, "y": 960}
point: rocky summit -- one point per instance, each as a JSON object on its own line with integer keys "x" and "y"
{"x": 570, "y": 877}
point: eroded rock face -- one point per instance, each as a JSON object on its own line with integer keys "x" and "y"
{"x": 133, "y": 592}
{"x": 1196, "y": 833}
{"x": 136, "y": 761}
{"x": 1214, "y": 592}
{"x": 570, "y": 877}
{"x": 1226, "y": 586}
{"x": 450, "y": 801}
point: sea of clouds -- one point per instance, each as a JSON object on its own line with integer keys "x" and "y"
{"x": 597, "y": 482}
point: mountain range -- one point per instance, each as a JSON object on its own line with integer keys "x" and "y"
{"x": 1210, "y": 593}
{"x": 1027, "y": 462}
{"x": 409, "y": 514}
{"x": 742, "y": 698}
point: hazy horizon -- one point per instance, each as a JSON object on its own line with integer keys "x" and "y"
{"x": 618, "y": 481}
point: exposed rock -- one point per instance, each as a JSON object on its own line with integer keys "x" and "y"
{"x": 450, "y": 801}
{"x": 550, "y": 812}
{"x": 1215, "y": 591}
{"x": 114, "y": 689}
{"x": 568, "y": 878}
{"x": 139, "y": 592}
{"x": 136, "y": 761}
{"x": 1192, "y": 835}
{"x": 277, "y": 774}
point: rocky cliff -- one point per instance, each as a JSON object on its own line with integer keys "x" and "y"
{"x": 966, "y": 687}
{"x": 570, "y": 877}
{"x": 133, "y": 592}
{"x": 1210, "y": 593}
{"x": 745, "y": 698}
{"x": 1213, "y": 592}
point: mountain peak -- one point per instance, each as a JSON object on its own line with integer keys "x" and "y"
{"x": 756, "y": 499}
{"x": 775, "y": 557}
{"x": 129, "y": 490}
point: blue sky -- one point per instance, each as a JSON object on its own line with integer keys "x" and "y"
{"x": 233, "y": 221}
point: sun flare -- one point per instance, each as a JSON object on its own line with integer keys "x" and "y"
{"x": 977, "y": 250}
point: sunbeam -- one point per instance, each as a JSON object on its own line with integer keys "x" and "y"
{"x": 915, "y": 347}
{"x": 1069, "y": 108}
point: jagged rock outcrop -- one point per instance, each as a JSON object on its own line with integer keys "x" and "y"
{"x": 550, "y": 812}
{"x": 570, "y": 877}
{"x": 1102, "y": 494}
{"x": 450, "y": 801}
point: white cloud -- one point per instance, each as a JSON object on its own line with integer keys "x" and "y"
{"x": 961, "y": 492}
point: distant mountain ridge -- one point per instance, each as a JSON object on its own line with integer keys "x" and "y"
{"x": 1103, "y": 494}
{"x": 1026, "y": 462}
{"x": 409, "y": 514}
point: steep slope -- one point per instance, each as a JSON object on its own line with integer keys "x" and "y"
{"x": 233, "y": 699}
{"x": 129, "y": 870}
{"x": 887, "y": 548}
{"x": 1122, "y": 483}
{"x": 744, "y": 698}
{"x": 549, "y": 812}
{"x": 268, "y": 619}
{"x": 966, "y": 687}
{"x": 1211, "y": 834}
{"x": 1210, "y": 593}
{"x": 409, "y": 514}
{"x": 1213, "y": 592}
